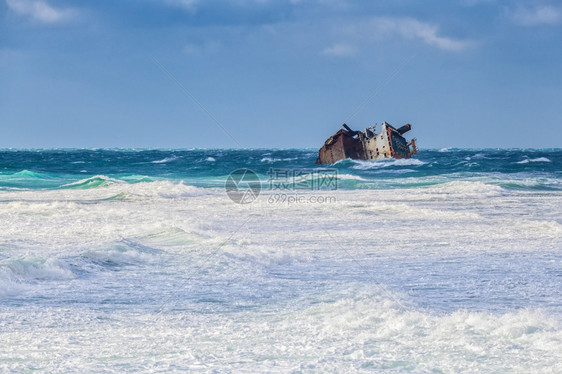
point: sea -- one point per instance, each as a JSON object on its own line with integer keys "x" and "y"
{"x": 262, "y": 261}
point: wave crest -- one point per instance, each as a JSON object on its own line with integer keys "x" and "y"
{"x": 538, "y": 159}
{"x": 468, "y": 189}
{"x": 92, "y": 182}
{"x": 27, "y": 269}
{"x": 377, "y": 164}
{"x": 164, "y": 160}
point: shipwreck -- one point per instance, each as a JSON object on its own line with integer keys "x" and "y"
{"x": 368, "y": 144}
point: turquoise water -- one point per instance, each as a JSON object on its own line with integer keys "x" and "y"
{"x": 138, "y": 261}
{"x": 512, "y": 169}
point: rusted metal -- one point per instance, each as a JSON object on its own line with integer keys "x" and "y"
{"x": 367, "y": 145}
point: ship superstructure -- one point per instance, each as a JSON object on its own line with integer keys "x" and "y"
{"x": 367, "y": 144}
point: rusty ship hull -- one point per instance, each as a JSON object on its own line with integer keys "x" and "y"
{"x": 367, "y": 145}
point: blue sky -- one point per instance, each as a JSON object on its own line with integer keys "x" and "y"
{"x": 478, "y": 73}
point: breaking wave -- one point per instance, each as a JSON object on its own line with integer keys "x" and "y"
{"x": 165, "y": 190}
{"x": 376, "y": 164}
{"x": 165, "y": 160}
{"x": 126, "y": 253}
{"x": 351, "y": 177}
{"x": 538, "y": 159}
{"x": 468, "y": 189}
{"x": 272, "y": 160}
{"x": 92, "y": 182}
{"x": 15, "y": 273}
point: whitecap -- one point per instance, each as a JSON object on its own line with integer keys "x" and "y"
{"x": 539, "y": 159}
{"x": 376, "y": 164}
{"x": 25, "y": 269}
{"x": 8, "y": 287}
{"x": 164, "y": 160}
{"x": 95, "y": 181}
{"x": 271, "y": 160}
{"x": 164, "y": 190}
{"x": 122, "y": 255}
{"x": 350, "y": 177}
{"x": 468, "y": 189}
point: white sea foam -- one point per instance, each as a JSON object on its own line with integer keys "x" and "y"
{"x": 165, "y": 189}
{"x": 162, "y": 276}
{"x": 538, "y": 159}
{"x": 468, "y": 189}
{"x": 272, "y": 160}
{"x": 348, "y": 334}
{"x": 120, "y": 255}
{"x": 351, "y": 177}
{"x": 8, "y": 285}
{"x": 165, "y": 160}
{"x": 537, "y": 227}
{"x": 406, "y": 211}
{"x": 375, "y": 164}
{"x": 210, "y": 159}
{"x": 37, "y": 269}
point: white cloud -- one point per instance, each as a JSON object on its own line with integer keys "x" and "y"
{"x": 39, "y": 10}
{"x": 354, "y": 36}
{"x": 543, "y": 15}
{"x": 357, "y": 35}
{"x": 340, "y": 50}
{"x": 413, "y": 29}
{"x": 362, "y": 33}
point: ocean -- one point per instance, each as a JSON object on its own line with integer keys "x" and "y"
{"x": 224, "y": 260}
